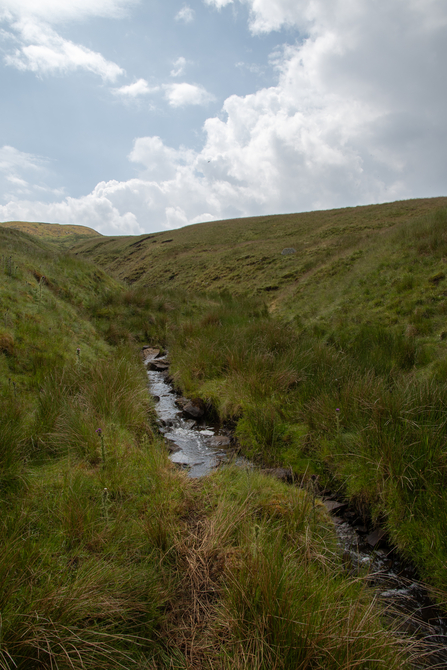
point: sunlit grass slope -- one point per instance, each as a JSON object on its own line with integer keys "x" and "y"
{"x": 245, "y": 255}
{"x": 80, "y": 584}
{"x": 64, "y": 235}
{"x": 42, "y": 293}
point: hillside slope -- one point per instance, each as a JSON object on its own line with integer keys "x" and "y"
{"x": 245, "y": 255}
{"x": 110, "y": 558}
{"x": 64, "y": 235}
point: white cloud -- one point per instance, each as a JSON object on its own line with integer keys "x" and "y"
{"x": 11, "y": 159}
{"x": 160, "y": 163}
{"x": 175, "y": 217}
{"x": 140, "y": 87}
{"x": 93, "y": 210}
{"x": 180, "y": 95}
{"x": 53, "y": 11}
{"x": 357, "y": 116}
{"x": 186, "y": 14}
{"x": 307, "y": 15}
{"x": 24, "y": 175}
{"x": 45, "y": 52}
{"x": 219, "y": 3}
{"x": 269, "y": 15}
{"x": 179, "y": 67}
{"x": 17, "y": 181}
{"x": 38, "y": 48}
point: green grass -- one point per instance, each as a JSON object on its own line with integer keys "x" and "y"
{"x": 244, "y": 255}
{"x": 286, "y": 603}
{"x": 281, "y": 386}
{"x": 359, "y": 324}
{"x": 262, "y": 584}
{"x": 112, "y": 558}
{"x": 82, "y": 578}
{"x": 63, "y": 236}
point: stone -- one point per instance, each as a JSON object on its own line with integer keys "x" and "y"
{"x": 283, "y": 474}
{"x": 219, "y": 441}
{"x": 333, "y": 505}
{"x": 194, "y": 409}
{"x": 288, "y": 251}
{"x": 375, "y": 537}
{"x": 171, "y": 447}
{"x": 150, "y": 352}
{"x": 158, "y": 366}
{"x": 361, "y": 529}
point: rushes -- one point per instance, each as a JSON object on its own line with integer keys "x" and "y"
{"x": 12, "y": 443}
{"x": 109, "y": 558}
{"x": 281, "y": 388}
{"x": 261, "y": 585}
{"x": 84, "y": 617}
{"x": 80, "y": 578}
{"x": 73, "y": 400}
{"x": 282, "y": 613}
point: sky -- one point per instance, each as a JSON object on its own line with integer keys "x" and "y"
{"x": 135, "y": 116}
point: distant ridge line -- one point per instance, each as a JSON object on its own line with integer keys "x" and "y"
{"x": 51, "y": 230}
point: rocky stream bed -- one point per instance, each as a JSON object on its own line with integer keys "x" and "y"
{"x": 199, "y": 447}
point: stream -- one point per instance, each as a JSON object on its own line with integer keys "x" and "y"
{"x": 200, "y": 447}
{"x": 193, "y": 444}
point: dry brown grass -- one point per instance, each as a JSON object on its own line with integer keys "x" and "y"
{"x": 6, "y": 344}
{"x": 204, "y": 554}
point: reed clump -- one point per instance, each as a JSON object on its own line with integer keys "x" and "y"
{"x": 262, "y": 584}
{"x": 112, "y": 558}
{"x": 280, "y": 387}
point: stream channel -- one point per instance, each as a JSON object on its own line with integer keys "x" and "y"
{"x": 200, "y": 447}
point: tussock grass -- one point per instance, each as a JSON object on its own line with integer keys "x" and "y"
{"x": 262, "y": 586}
{"x": 74, "y": 403}
{"x": 128, "y": 315}
{"x": 280, "y": 386}
{"x": 82, "y": 579}
{"x": 110, "y": 557}
{"x": 281, "y": 614}
{"x": 83, "y": 582}
{"x": 12, "y": 438}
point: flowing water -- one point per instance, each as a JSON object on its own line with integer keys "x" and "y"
{"x": 396, "y": 584}
{"x": 194, "y": 445}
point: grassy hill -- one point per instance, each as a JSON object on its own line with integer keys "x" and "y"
{"x": 373, "y": 263}
{"x": 245, "y": 255}
{"x": 329, "y": 359}
{"x": 109, "y": 557}
{"x": 345, "y": 375}
{"x": 64, "y": 235}
{"x": 308, "y": 267}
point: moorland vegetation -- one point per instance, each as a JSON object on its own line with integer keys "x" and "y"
{"x": 355, "y": 320}
{"x": 330, "y": 361}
